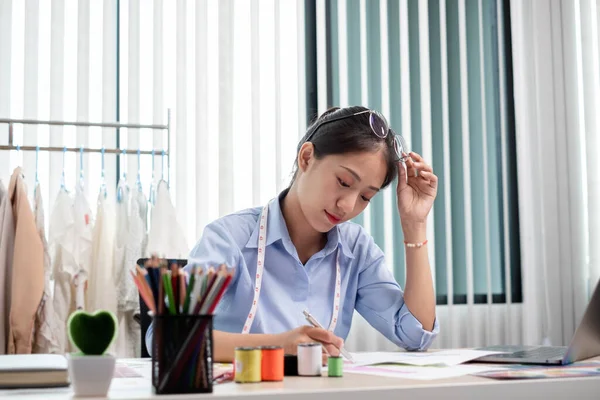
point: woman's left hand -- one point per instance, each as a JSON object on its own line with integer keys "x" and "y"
{"x": 417, "y": 188}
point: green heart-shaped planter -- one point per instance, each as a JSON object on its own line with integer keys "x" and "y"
{"x": 93, "y": 333}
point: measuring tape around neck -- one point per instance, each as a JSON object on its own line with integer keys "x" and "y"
{"x": 260, "y": 265}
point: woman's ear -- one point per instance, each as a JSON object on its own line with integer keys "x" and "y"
{"x": 305, "y": 156}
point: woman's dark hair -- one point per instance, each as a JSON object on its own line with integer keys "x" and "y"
{"x": 348, "y": 135}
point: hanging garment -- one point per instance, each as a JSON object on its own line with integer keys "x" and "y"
{"x": 102, "y": 293}
{"x": 128, "y": 249}
{"x": 70, "y": 244}
{"x": 121, "y": 232}
{"x": 166, "y": 238}
{"x": 61, "y": 237}
{"x": 45, "y": 339}
{"x": 7, "y": 244}
{"x": 83, "y": 251}
{"x": 28, "y": 270}
{"x": 142, "y": 229}
{"x": 143, "y": 209}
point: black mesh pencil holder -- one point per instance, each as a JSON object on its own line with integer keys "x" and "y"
{"x": 182, "y": 349}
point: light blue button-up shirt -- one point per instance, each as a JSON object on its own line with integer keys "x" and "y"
{"x": 289, "y": 287}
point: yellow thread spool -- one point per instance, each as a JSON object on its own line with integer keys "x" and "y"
{"x": 247, "y": 364}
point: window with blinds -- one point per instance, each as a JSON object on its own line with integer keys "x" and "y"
{"x": 441, "y": 71}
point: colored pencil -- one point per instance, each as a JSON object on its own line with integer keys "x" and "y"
{"x": 146, "y": 296}
{"x": 188, "y": 292}
{"x": 175, "y": 285}
{"x": 182, "y": 292}
{"x": 170, "y": 292}
{"x": 161, "y": 293}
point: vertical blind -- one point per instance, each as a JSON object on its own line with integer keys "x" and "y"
{"x": 440, "y": 70}
{"x": 231, "y": 72}
{"x": 556, "y": 93}
{"x": 578, "y": 138}
{"x": 586, "y": 14}
{"x": 58, "y": 64}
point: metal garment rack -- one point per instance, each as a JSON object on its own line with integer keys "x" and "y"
{"x": 162, "y": 152}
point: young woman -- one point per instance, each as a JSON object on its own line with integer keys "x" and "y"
{"x": 307, "y": 255}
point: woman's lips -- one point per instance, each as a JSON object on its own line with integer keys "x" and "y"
{"x": 333, "y": 219}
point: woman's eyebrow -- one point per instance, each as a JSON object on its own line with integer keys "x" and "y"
{"x": 358, "y": 177}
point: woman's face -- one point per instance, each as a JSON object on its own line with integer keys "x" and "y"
{"x": 337, "y": 188}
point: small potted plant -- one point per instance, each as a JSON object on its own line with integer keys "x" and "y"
{"x": 91, "y": 369}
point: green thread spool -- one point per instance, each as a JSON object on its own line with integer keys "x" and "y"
{"x": 335, "y": 367}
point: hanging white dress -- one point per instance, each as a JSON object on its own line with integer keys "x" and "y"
{"x": 135, "y": 247}
{"x": 143, "y": 210}
{"x": 46, "y": 324}
{"x": 166, "y": 238}
{"x": 128, "y": 249}
{"x": 70, "y": 240}
{"x": 7, "y": 245}
{"x": 60, "y": 240}
{"x": 83, "y": 254}
{"x": 102, "y": 293}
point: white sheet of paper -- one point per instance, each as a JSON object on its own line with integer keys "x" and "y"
{"x": 419, "y": 373}
{"x": 439, "y": 358}
{"x": 129, "y": 368}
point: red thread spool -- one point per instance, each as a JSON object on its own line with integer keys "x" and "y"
{"x": 272, "y": 363}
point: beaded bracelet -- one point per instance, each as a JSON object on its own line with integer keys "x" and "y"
{"x": 417, "y": 245}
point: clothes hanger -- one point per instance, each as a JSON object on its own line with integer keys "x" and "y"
{"x": 124, "y": 185}
{"x": 62, "y": 177}
{"x": 18, "y": 148}
{"x": 37, "y": 182}
{"x": 102, "y": 181}
{"x": 162, "y": 172}
{"x": 138, "y": 181}
{"x": 152, "y": 194}
{"x": 81, "y": 179}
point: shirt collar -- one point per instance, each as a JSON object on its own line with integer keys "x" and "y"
{"x": 277, "y": 230}
{"x": 334, "y": 241}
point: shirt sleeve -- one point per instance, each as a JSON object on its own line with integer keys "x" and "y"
{"x": 220, "y": 245}
{"x": 217, "y": 246}
{"x": 380, "y": 300}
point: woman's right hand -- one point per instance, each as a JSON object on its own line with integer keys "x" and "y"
{"x": 307, "y": 334}
{"x": 226, "y": 342}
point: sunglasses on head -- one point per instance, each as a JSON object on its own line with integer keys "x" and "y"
{"x": 379, "y": 127}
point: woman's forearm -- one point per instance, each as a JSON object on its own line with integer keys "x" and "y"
{"x": 226, "y": 342}
{"x": 418, "y": 292}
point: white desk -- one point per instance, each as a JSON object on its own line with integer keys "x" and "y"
{"x": 351, "y": 386}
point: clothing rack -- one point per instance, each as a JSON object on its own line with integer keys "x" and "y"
{"x": 162, "y": 152}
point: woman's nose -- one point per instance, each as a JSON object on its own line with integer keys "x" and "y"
{"x": 346, "y": 204}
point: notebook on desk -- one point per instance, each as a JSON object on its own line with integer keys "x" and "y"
{"x": 33, "y": 370}
{"x": 585, "y": 343}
